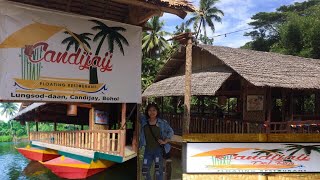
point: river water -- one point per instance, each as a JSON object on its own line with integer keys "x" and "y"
{"x": 14, "y": 166}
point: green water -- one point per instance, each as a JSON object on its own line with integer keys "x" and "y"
{"x": 14, "y": 166}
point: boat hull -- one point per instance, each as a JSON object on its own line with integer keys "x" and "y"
{"x": 73, "y": 172}
{"x": 74, "y": 169}
{"x": 35, "y": 154}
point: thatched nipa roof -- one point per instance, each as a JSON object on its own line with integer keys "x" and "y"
{"x": 202, "y": 83}
{"x": 270, "y": 69}
{"x": 135, "y": 12}
{"x": 262, "y": 69}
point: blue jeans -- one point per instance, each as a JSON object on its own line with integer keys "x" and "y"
{"x": 148, "y": 158}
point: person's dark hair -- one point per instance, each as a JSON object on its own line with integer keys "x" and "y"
{"x": 148, "y": 107}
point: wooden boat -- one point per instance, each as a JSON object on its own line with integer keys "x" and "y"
{"x": 69, "y": 168}
{"x": 38, "y": 154}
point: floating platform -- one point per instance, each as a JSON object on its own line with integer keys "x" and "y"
{"x": 38, "y": 154}
{"x": 69, "y": 168}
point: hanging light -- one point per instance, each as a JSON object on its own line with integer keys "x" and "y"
{"x": 72, "y": 110}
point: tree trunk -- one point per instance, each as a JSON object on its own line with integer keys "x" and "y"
{"x": 187, "y": 93}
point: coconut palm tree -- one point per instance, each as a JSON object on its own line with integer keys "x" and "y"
{"x": 8, "y": 109}
{"x": 113, "y": 37}
{"x": 307, "y": 149}
{"x": 268, "y": 151}
{"x": 206, "y": 15}
{"x": 72, "y": 41}
{"x": 153, "y": 41}
{"x": 182, "y": 28}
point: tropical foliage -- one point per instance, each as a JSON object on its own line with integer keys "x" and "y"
{"x": 207, "y": 14}
{"x": 8, "y": 109}
{"x": 292, "y": 29}
{"x": 153, "y": 41}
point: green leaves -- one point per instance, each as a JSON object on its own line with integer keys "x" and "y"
{"x": 8, "y": 109}
{"x": 153, "y": 41}
{"x": 292, "y": 30}
{"x": 204, "y": 17}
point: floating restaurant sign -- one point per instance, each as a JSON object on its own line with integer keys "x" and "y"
{"x": 252, "y": 157}
{"x": 50, "y": 56}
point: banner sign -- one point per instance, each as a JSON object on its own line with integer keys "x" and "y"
{"x": 252, "y": 157}
{"x": 51, "y": 56}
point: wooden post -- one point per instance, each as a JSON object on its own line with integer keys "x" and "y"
{"x": 123, "y": 114}
{"x": 202, "y": 105}
{"x": 291, "y": 106}
{"x": 91, "y": 119}
{"x": 162, "y": 108}
{"x": 317, "y": 103}
{"x": 28, "y": 129}
{"x": 187, "y": 92}
{"x": 284, "y": 104}
{"x": 135, "y": 139}
{"x": 55, "y": 126}
{"x": 244, "y": 99}
{"x": 269, "y": 108}
{"x": 175, "y": 104}
{"x": 37, "y": 127}
{"x": 123, "y": 131}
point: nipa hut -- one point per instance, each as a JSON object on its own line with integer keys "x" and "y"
{"x": 242, "y": 91}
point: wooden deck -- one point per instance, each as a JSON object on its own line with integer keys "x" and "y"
{"x": 105, "y": 144}
{"x": 129, "y": 153}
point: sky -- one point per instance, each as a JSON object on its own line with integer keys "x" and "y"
{"x": 3, "y": 117}
{"x": 237, "y": 15}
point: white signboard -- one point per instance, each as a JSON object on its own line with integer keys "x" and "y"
{"x": 50, "y": 56}
{"x": 252, "y": 157}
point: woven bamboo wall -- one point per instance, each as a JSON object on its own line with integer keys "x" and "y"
{"x": 252, "y": 138}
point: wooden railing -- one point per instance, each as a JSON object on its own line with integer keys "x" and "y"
{"x": 306, "y": 126}
{"x": 207, "y": 124}
{"x": 106, "y": 141}
{"x": 214, "y": 125}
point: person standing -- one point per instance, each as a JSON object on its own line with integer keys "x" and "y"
{"x": 155, "y": 132}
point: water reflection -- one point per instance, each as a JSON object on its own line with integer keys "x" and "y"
{"x": 13, "y": 166}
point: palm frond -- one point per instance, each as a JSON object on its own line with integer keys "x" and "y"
{"x": 118, "y": 41}
{"x": 98, "y": 36}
